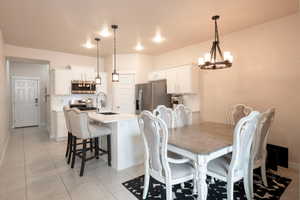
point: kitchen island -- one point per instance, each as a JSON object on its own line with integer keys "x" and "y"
{"x": 126, "y": 140}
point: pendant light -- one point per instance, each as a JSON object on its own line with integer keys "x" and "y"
{"x": 98, "y": 78}
{"x": 115, "y": 75}
{"x": 210, "y": 60}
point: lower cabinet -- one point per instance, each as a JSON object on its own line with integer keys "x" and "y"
{"x": 59, "y": 129}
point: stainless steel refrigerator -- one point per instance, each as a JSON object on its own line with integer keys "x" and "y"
{"x": 149, "y": 95}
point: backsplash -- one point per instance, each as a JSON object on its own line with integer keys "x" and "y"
{"x": 58, "y": 102}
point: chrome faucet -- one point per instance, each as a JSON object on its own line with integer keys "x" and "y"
{"x": 101, "y": 99}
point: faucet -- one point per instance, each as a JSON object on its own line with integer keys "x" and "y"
{"x": 101, "y": 98}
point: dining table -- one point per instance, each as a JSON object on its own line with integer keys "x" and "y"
{"x": 201, "y": 143}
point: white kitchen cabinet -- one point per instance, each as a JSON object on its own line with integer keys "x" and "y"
{"x": 61, "y": 81}
{"x": 171, "y": 75}
{"x": 183, "y": 80}
{"x": 59, "y": 128}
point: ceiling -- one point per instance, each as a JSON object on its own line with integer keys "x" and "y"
{"x": 64, "y": 25}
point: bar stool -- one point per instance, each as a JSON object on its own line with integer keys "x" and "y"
{"x": 69, "y": 143}
{"x": 82, "y": 129}
{"x": 68, "y": 154}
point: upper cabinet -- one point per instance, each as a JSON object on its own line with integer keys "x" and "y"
{"x": 183, "y": 80}
{"x": 61, "y": 81}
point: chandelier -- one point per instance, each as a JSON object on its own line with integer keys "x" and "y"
{"x": 216, "y": 59}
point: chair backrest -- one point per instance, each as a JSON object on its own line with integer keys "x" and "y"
{"x": 262, "y": 133}
{"x": 166, "y": 114}
{"x": 67, "y": 118}
{"x": 182, "y": 115}
{"x": 244, "y": 133}
{"x": 238, "y": 112}
{"x": 79, "y": 123}
{"x": 155, "y": 136}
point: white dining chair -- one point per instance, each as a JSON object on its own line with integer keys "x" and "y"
{"x": 82, "y": 129}
{"x": 182, "y": 116}
{"x": 259, "y": 155}
{"x": 234, "y": 167}
{"x": 239, "y": 111}
{"x": 166, "y": 114}
{"x": 157, "y": 164}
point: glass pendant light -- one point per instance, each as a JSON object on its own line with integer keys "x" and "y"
{"x": 210, "y": 60}
{"x": 115, "y": 75}
{"x": 98, "y": 78}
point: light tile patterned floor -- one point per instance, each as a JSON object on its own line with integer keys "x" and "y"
{"x": 35, "y": 168}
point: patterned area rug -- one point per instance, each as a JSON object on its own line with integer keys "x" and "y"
{"x": 216, "y": 189}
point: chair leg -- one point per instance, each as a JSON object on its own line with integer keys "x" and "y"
{"x": 247, "y": 186}
{"x": 97, "y": 148}
{"x": 169, "y": 191}
{"x": 146, "y": 184}
{"x": 230, "y": 188}
{"x": 264, "y": 173}
{"x": 70, "y": 148}
{"x": 74, "y": 151}
{"x": 91, "y": 144}
{"x": 83, "y": 157}
{"x": 109, "y": 150}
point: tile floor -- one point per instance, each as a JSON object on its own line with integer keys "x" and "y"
{"x": 35, "y": 168}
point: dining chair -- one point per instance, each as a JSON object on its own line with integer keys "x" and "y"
{"x": 82, "y": 129}
{"x": 259, "y": 154}
{"x": 233, "y": 167}
{"x": 182, "y": 116}
{"x": 166, "y": 114}
{"x": 157, "y": 164}
{"x": 239, "y": 111}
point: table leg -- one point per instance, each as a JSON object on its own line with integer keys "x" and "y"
{"x": 201, "y": 179}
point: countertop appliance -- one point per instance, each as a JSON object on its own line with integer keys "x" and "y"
{"x": 83, "y": 87}
{"x": 149, "y": 95}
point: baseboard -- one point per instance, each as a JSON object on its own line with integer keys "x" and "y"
{"x": 3, "y": 150}
{"x": 294, "y": 165}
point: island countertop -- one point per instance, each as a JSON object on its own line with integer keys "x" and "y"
{"x": 110, "y": 118}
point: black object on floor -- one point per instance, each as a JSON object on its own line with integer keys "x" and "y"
{"x": 216, "y": 190}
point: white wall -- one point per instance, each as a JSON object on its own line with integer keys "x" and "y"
{"x": 18, "y": 68}
{"x": 265, "y": 73}
{"x": 56, "y": 59}
{"x": 4, "y": 103}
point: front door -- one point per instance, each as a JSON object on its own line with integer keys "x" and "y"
{"x": 25, "y": 93}
{"x": 123, "y": 95}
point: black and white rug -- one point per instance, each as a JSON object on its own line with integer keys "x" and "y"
{"x": 216, "y": 189}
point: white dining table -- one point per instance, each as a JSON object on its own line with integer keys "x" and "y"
{"x": 201, "y": 143}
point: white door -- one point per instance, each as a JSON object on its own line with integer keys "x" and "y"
{"x": 123, "y": 95}
{"x": 25, "y": 101}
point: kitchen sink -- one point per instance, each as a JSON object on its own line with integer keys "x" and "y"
{"x": 108, "y": 113}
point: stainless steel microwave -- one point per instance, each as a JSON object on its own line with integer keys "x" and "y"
{"x": 83, "y": 87}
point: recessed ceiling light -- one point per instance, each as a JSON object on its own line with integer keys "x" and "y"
{"x": 139, "y": 47}
{"x": 88, "y": 44}
{"x": 158, "y": 38}
{"x": 105, "y": 32}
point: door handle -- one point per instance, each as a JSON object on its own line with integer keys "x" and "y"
{"x": 36, "y": 100}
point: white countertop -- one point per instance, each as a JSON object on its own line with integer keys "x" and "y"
{"x": 110, "y": 118}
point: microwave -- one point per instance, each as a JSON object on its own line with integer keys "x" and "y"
{"x": 83, "y": 87}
